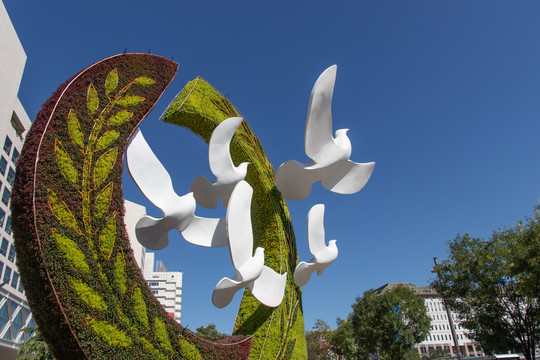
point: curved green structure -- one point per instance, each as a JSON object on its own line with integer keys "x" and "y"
{"x": 278, "y": 332}
{"x": 85, "y": 290}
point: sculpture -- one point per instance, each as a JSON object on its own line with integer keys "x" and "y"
{"x": 178, "y": 211}
{"x": 323, "y": 255}
{"x": 265, "y": 284}
{"x": 86, "y": 292}
{"x": 330, "y": 156}
{"x": 227, "y": 175}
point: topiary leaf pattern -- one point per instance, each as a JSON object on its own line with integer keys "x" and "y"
{"x": 110, "y": 333}
{"x": 65, "y": 163}
{"x": 72, "y": 249}
{"x": 120, "y": 117}
{"x": 104, "y": 165}
{"x": 61, "y": 212}
{"x": 130, "y": 100}
{"x": 92, "y": 101}
{"x": 103, "y": 200}
{"x": 106, "y": 140}
{"x": 74, "y": 128}
{"x": 89, "y": 296}
{"x": 111, "y": 82}
{"x": 71, "y": 252}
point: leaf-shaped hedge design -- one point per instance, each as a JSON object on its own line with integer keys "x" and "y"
{"x": 120, "y": 117}
{"x": 65, "y": 163}
{"x": 74, "y": 128}
{"x": 111, "y": 82}
{"x": 103, "y": 200}
{"x": 130, "y": 100}
{"x": 144, "y": 81}
{"x": 92, "y": 100}
{"x": 110, "y": 333}
{"x": 104, "y": 165}
{"x": 139, "y": 306}
{"x": 89, "y": 296}
{"x": 108, "y": 236}
{"x": 71, "y": 252}
{"x": 61, "y": 211}
{"x": 107, "y": 139}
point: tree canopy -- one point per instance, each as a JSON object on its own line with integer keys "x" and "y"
{"x": 494, "y": 285}
{"x": 389, "y": 324}
{"x": 210, "y": 332}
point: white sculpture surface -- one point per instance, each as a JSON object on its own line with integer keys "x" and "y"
{"x": 330, "y": 156}
{"x": 178, "y": 211}
{"x": 266, "y": 285}
{"x": 227, "y": 175}
{"x": 322, "y": 255}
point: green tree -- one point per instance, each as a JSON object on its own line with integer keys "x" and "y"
{"x": 494, "y": 285}
{"x": 388, "y": 324}
{"x": 35, "y": 348}
{"x": 318, "y": 341}
{"x": 210, "y": 332}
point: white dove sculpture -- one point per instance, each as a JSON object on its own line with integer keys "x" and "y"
{"x": 178, "y": 211}
{"x": 266, "y": 285}
{"x": 330, "y": 155}
{"x": 322, "y": 255}
{"x": 227, "y": 175}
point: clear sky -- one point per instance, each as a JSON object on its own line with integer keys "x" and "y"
{"x": 443, "y": 95}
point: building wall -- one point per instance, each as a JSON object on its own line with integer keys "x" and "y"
{"x": 165, "y": 285}
{"x": 14, "y": 124}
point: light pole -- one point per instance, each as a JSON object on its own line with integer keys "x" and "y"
{"x": 448, "y": 313}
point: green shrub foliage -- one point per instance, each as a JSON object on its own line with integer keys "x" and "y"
{"x": 84, "y": 287}
{"x": 279, "y": 332}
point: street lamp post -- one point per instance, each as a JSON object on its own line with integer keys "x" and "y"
{"x": 448, "y": 313}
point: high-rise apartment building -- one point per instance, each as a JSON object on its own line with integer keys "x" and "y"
{"x": 14, "y": 124}
{"x": 440, "y": 336}
{"x": 165, "y": 285}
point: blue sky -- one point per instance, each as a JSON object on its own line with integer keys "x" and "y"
{"x": 442, "y": 95}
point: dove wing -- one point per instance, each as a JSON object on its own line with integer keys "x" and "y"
{"x": 269, "y": 287}
{"x": 239, "y": 224}
{"x": 318, "y": 133}
{"x": 148, "y": 173}
{"x": 219, "y": 154}
{"x": 348, "y": 177}
{"x": 315, "y": 224}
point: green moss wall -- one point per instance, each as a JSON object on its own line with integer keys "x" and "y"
{"x": 278, "y": 333}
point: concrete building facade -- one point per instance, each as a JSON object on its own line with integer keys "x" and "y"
{"x": 14, "y": 124}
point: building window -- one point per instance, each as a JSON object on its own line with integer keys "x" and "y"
{"x": 5, "y": 196}
{"x": 3, "y": 165}
{"x": 153, "y": 283}
{"x": 14, "y": 280}
{"x": 7, "y": 229}
{"x": 2, "y": 216}
{"x": 10, "y": 176}
{"x": 7, "y": 145}
{"x": 15, "y": 155}
{"x": 7, "y": 275}
{"x": 1, "y": 267}
{"x": 4, "y": 247}
{"x": 155, "y": 292}
{"x": 11, "y": 256}
{"x": 21, "y": 290}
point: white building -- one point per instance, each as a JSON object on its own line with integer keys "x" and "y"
{"x": 440, "y": 336}
{"x": 165, "y": 285}
{"x": 14, "y": 124}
